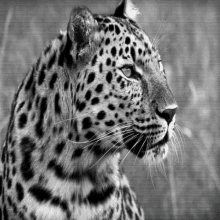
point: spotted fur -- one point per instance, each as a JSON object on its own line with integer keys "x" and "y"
{"x": 97, "y": 89}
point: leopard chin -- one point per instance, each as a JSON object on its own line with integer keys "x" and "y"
{"x": 156, "y": 155}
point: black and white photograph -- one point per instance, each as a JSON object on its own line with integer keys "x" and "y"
{"x": 110, "y": 110}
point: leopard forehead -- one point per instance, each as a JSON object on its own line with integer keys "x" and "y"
{"x": 120, "y": 36}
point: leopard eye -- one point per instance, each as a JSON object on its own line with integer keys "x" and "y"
{"x": 130, "y": 73}
{"x": 127, "y": 71}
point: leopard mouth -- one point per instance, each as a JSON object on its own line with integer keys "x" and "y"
{"x": 139, "y": 145}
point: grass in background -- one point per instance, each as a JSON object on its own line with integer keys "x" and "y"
{"x": 191, "y": 187}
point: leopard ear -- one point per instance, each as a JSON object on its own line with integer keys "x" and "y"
{"x": 83, "y": 32}
{"x": 126, "y": 9}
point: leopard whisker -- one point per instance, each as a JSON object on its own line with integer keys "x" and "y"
{"x": 156, "y": 35}
{"x": 150, "y": 167}
{"x": 162, "y": 168}
{"x": 181, "y": 134}
{"x": 105, "y": 154}
{"x": 141, "y": 149}
{"x": 109, "y": 136}
{"x": 132, "y": 147}
{"x": 160, "y": 40}
{"x": 99, "y": 140}
{"x": 106, "y": 133}
{"x": 130, "y": 134}
{"x": 148, "y": 144}
{"x": 175, "y": 146}
{"x": 69, "y": 119}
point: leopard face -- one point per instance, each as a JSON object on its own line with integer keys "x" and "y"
{"x": 122, "y": 94}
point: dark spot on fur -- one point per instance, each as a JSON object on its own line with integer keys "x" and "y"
{"x": 41, "y": 75}
{"x": 99, "y": 197}
{"x": 86, "y": 123}
{"x": 59, "y": 147}
{"x": 119, "y": 79}
{"x": 101, "y": 115}
{"x": 122, "y": 85}
{"x": 117, "y": 30}
{"x": 1, "y": 181}
{"x": 107, "y": 42}
{"x": 9, "y": 183}
{"x": 121, "y": 106}
{"x": 99, "y": 88}
{"x": 108, "y": 62}
{"x": 77, "y": 152}
{"x": 5, "y": 213}
{"x": 94, "y": 60}
{"x": 53, "y": 81}
{"x": 110, "y": 123}
{"x": 133, "y": 53}
{"x": 109, "y": 77}
{"x": 107, "y": 20}
{"x": 101, "y": 52}
{"x": 100, "y": 67}
{"x": 111, "y": 27}
{"x": 14, "y": 171}
{"x": 113, "y": 51}
{"x": 51, "y": 61}
{"x": 22, "y": 120}
{"x": 89, "y": 135}
{"x": 88, "y": 95}
{"x": 55, "y": 201}
{"x": 127, "y": 40}
{"x": 9, "y": 201}
{"x": 80, "y": 105}
{"x": 91, "y": 77}
{"x": 27, "y": 146}
{"x": 29, "y": 106}
{"x": 95, "y": 101}
{"x": 39, "y": 125}
{"x": 139, "y": 51}
{"x": 66, "y": 85}
{"x": 77, "y": 87}
{"x": 19, "y": 191}
{"x": 57, "y": 104}
{"x": 40, "y": 193}
{"x": 33, "y": 90}
{"x": 120, "y": 51}
{"x": 70, "y": 136}
{"x": 111, "y": 107}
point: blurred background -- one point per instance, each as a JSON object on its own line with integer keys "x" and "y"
{"x": 188, "y": 187}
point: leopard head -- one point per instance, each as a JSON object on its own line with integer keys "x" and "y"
{"x": 122, "y": 98}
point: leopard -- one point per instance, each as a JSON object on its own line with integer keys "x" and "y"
{"x": 98, "y": 89}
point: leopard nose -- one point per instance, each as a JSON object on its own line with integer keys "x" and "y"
{"x": 167, "y": 114}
